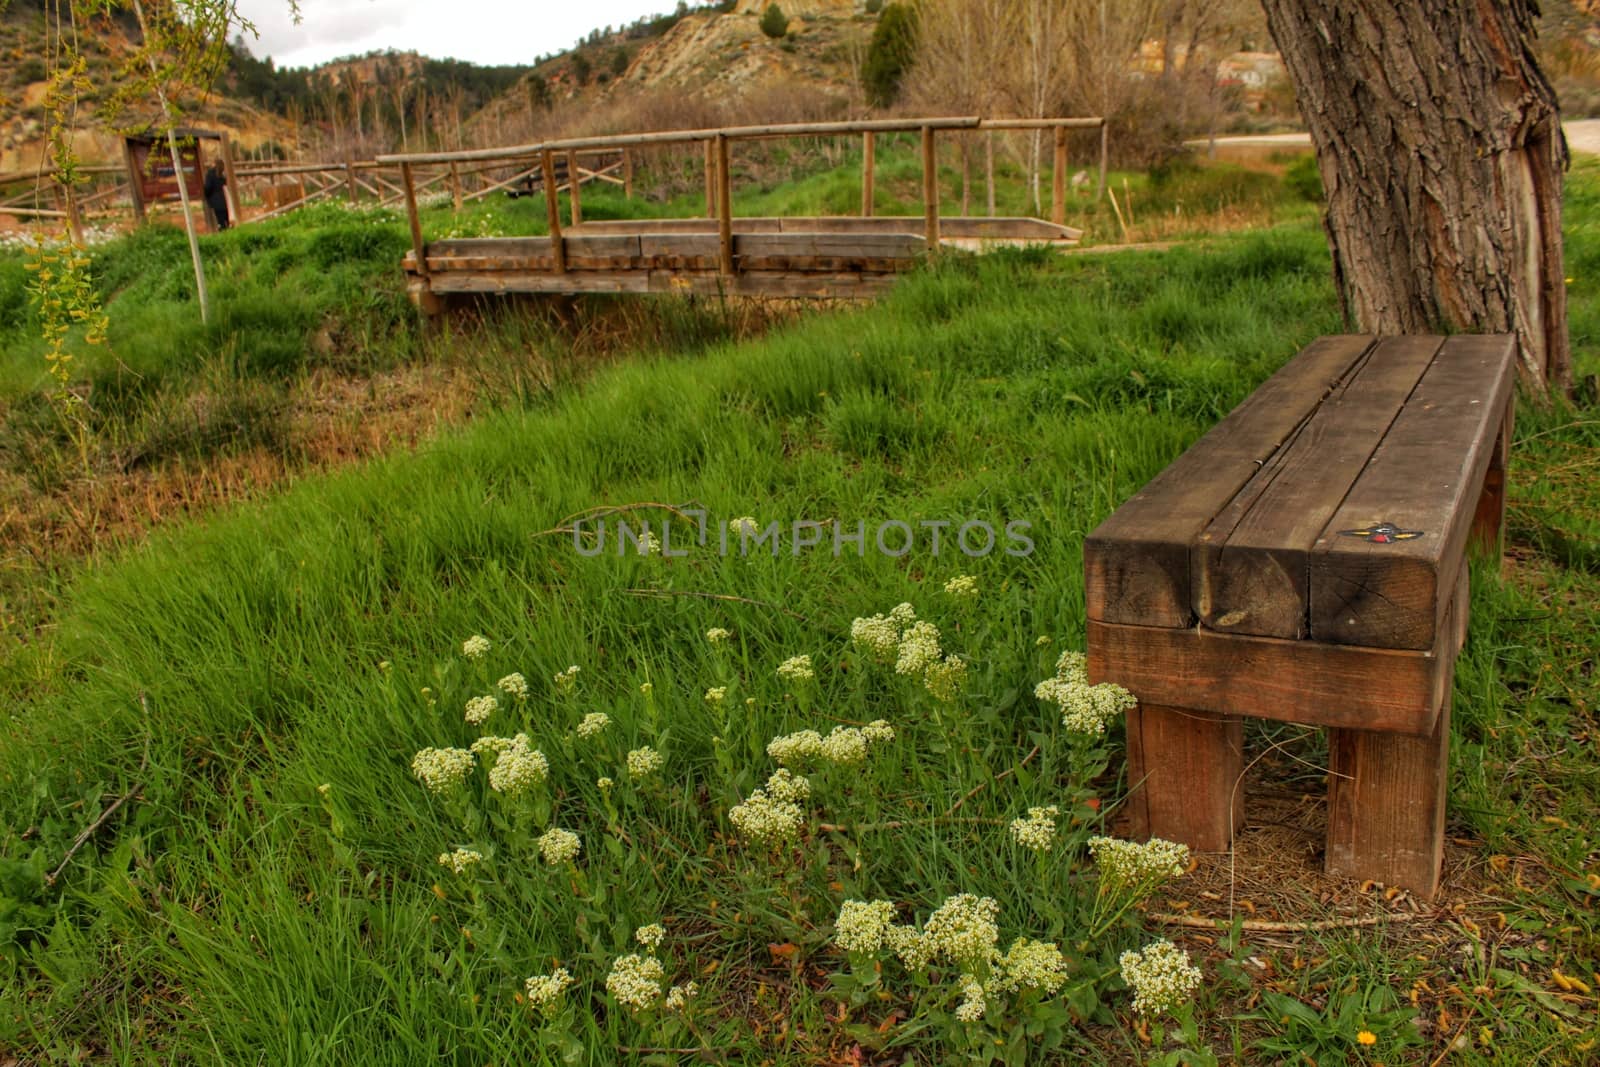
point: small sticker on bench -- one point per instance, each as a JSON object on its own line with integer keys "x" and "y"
{"x": 1382, "y": 533}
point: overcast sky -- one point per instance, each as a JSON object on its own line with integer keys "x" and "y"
{"x": 483, "y": 31}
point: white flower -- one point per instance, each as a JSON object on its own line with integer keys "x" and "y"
{"x": 635, "y": 982}
{"x": 1041, "y": 641}
{"x": 515, "y": 685}
{"x": 919, "y": 646}
{"x": 459, "y": 860}
{"x": 912, "y": 946}
{"x": 766, "y": 819}
{"x": 566, "y": 679}
{"x": 1035, "y": 965}
{"x": 475, "y": 647}
{"x": 716, "y": 635}
{"x": 744, "y": 526}
{"x": 1128, "y": 864}
{"x": 593, "y": 723}
{"x": 787, "y": 786}
{"x": 715, "y": 694}
{"x": 649, "y": 544}
{"x": 964, "y": 585}
{"x": 646, "y": 688}
{"x": 651, "y": 936}
{"x": 798, "y": 748}
{"x": 1036, "y": 830}
{"x": 973, "y": 1006}
{"x": 878, "y": 731}
{"x": 604, "y": 784}
{"x": 1160, "y": 976}
{"x": 643, "y": 762}
{"x": 517, "y": 767}
{"x": 442, "y": 769}
{"x": 480, "y": 708}
{"x": 963, "y": 929}
{"x": 877, "y": 637}
{"x": 796, "y": 669}
{"x": 678, "y": 996}
{"x": 943, "y": 678}
{"x": 559, "y": 846}
{"x": 863, "y": 925}
{"x": 844, "y": 744}
{"x": 544, "y": 990}
{"x": 1086, "y": 709}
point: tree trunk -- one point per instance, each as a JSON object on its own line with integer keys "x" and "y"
{"x": 1442, "y": 156}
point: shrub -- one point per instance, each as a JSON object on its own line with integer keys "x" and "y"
{"x": 1304, "y": 179}
{"x": 890, "y": 54}
{"x": 774, "y": 23}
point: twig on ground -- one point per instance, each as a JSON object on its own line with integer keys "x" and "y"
{"x": 111, "y": 809}
{"x": 590, "y": 514}
{"x": 1002, "y": 776}
{"x": 1269, "y": 926}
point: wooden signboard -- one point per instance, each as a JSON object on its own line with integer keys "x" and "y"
{"x": 152, "y": 162}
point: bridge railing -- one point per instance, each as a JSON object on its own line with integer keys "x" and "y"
{"x": 717, "y": 146}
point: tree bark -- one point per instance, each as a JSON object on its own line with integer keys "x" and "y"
{"x": 1441, "y": 154}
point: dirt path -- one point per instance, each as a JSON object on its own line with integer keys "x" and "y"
{"x": 1583, "y": 135}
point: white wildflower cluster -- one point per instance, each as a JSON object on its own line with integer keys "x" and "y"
{"x": 1031, "y": 965}
{"x": 765, "y": 819}
{"x": 1130, "y": 865}
{"x": 717, "y": 635}
{"x": 744, "y": 526}
{"x": 1037, "y": 829}
{"x": 442, "y": 769}
{"x": 716, "y": 694}
{"x": 843, "y": 745}
{"x": 31, "y": 241}
{"x": 963, "y": 935}
{"x": 593, "y": 724}
{"x": 635, "y": 982}
{"x": 459, "y": 860}
{"x": 518, "y": 766}
{"x": 863, "y": 925}
{"x": 1085, "y": 708}
{"x": 787, "y": 786}
{"x": 962, "y": 585}
{"x": 962, "y": 930}
{"x": 475, "y": 647}
{"x": 912, "y": 645}
{"x": 1161, "y": 977}
{"x": 643, "y": 762}
{"x": 544, "y": 991}
{"x": 480, "y": 708}
{"x": 559, "y": 846}
{"x": 567, "y": 679}
{"x": 974, "y": 1005}
{"x": 679, "y": 996}
{"x": 796, "y": 669}
{"x": 651, "y": 936}
{"x": 514, "y": 685}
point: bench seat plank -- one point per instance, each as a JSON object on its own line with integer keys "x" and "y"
{"x": 1249, "y": 566}
{"x": 1136, "y": 563}
{"x": 1425, "y": 479}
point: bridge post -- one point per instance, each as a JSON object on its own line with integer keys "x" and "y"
{"x": 724, "y": 208}
{"x": 1058, "y": 179}
{"x": 711, "y": 184}
{"x": 572, "y": 185}
{"x": 1104, "y": 153}
{"x": 552, "y": 208}
{"x": 627, "y": 174}
{"x": 868, "y": 162}
{"x": 424, "y": 297}
{"x": 930, "y": 190}
{"x": 455, "y": 184}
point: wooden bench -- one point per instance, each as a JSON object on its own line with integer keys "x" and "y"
{"x": 1304, "y": 561}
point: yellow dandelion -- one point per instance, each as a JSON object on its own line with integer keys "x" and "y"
{"x": 1367, "y": 1037}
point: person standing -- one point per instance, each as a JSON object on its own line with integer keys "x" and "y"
{"x": 216, "y": 198}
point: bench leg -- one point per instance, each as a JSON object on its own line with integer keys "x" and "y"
{"x": 1183, "y": 775}
{"x": 1386, "y": 805}
{"x": 1490, "y": 517}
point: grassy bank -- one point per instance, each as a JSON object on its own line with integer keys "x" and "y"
{"x": 240, "y": 700}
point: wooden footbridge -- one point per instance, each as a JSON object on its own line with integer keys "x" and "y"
{"x": 840, "y": 256}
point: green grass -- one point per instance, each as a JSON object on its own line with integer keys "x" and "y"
{"x": 225, "y": 671}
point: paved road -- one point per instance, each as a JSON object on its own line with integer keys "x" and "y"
{"x": 1583, "y": 135}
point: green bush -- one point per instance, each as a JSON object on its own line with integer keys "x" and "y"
{"x": 1304, "y": 179}
{"x": 890, "y": 54}
{"x": 774, "y": 23}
